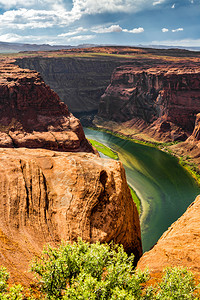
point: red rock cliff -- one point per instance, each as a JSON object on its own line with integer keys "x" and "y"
{"x": 32, "y": 115}
{"x": 48, "y": 196}
{"x": 179, "y": 245}
{"x": 166, "y": 99}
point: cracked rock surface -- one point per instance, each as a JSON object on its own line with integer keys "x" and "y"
{"x": 48, "y": 196}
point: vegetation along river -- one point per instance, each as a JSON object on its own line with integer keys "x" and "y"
{"x": 164, "y": 187}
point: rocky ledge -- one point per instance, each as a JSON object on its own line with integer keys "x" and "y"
{"x": 32, "y": 115}
{"x": 179, "y": 245}
{"x": 165, "y": 99}
{"x": 48, "y": 196}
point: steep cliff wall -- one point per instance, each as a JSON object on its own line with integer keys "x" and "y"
{"x": 79, "y": 82}
{"x": 48, "y": 196}
{"x": 179, "y": 245}
{"x": 32, "y": 115}
{"x": 166, "y": 99}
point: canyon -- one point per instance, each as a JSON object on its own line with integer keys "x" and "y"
{"x": 153, "y": 92}
{"x": 79, "y": 82}
{"x": 147, "y": 94}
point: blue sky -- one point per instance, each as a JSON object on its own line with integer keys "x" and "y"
{"x": 122, "y": 22}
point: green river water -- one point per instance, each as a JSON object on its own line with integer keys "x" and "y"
{"x": 164, "y": 187}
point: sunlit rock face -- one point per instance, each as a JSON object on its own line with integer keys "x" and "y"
{"x": 48, "y": 196}
{"x": 32, "y": 115}
{"x": 178, "y": 246}
{"x": 166, "y": 99}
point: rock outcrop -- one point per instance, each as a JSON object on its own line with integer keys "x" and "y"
{"x": 32, "y": 115}
{"x": 195, "y": 137}
{"x": 48, "y": 196}
{"x": 178, "y": 246}
{"x": 166, "y": 99}
{"x": 190, "y": 149}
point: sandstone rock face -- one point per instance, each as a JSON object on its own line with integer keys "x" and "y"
{"x": 196, "y": 133}
{"x": 79, "y": 82}
{"x": 166, "y": 98}
{"x": 48, "y": 196}
{"x": 32, "y": 115}
{"x": 179, "y": 245}
{"x": 191, "y": 147}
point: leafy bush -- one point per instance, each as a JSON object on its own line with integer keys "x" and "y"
{"x": 176, "y": 284}
{"x": 84, "y": 271}
{"x": 81, "y": 271}
{"x": 14, "y": 293}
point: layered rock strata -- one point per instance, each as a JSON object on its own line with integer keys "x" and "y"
{"x": 79, "y": 82}
{"x": 32, "y": 115}
{"x": 48, "y": 196}
{"x": 190, "y": 149}
{"x": 166, "y": 99}
{"x": 178, "y": 246}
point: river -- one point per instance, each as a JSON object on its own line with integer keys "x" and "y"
{"x": 164, "y": 187}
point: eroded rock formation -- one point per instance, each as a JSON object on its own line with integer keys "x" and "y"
{"x": 48, "y": 196}
{"x": 190, "y": 149}
{"x": 166, "y": 99}
{"x": 32, "y": 115}
{"x": 178, "y": 246}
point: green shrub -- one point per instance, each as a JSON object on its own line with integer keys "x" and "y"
{"x": 88, "y": 271}
{"x": 83, "y": 271}
{"x": 176, "y": 284}
{"x": 14, "y": 293}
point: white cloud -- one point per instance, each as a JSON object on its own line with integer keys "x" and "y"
{"x": 76, "y": 31}
{"x": 178, "y": 29}
{"x": 35, "y": 14}
{"x": 93, "y": 6}
{"x": 135, "y": 30}
{"x": 173, "y": 6}
{"x": 116, "y": 28}
{"x": 158, "y": 2}
{"x": 81, "y": 38}
{"x": 112, "y": 28}
{"x": 44, "y": 39}
{"x": 8, "y": 4}
{"x": 29, "y": 18}
{"x": 10, "y": 38}
{"x": 82, "y": 6}
{"x": 165, "y": 29}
